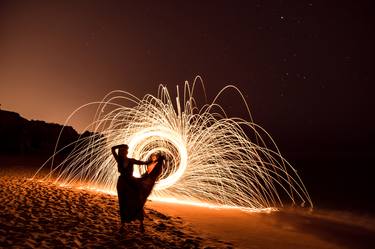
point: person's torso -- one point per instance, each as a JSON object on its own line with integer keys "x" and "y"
{"x": 125, "y": 167}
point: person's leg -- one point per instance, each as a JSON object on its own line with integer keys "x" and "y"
{"x": 141, "y": 227}
{"x": 120, "y": 195}
{"x": 122, "y": 208}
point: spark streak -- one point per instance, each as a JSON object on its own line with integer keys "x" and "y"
{"x": 212, "y": 159}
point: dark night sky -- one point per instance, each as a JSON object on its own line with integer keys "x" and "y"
{"x": 306, "y": 67}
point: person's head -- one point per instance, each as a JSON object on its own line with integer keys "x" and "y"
{"x": 123, "y": 150}
{"x": 154, "y": 157}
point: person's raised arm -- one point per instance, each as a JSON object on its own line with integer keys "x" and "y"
{"x": 139, "y": 162}
{"x": 113, "y": 149}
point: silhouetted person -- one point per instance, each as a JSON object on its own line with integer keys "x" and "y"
{"x": 147, "y": 181}
{"x": 128, "y": 191}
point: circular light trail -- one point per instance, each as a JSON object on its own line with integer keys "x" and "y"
{"x": 163, "y": 134}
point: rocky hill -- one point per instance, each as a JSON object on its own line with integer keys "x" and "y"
{"x": 19, "y": 136}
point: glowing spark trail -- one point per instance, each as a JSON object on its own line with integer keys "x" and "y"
{"x": 212, "y": 159}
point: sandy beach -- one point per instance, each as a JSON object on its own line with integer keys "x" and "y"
{"x": 41, "y": 215}
{"x": 38, "y": 214}
{"x": 283, "y": 229}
